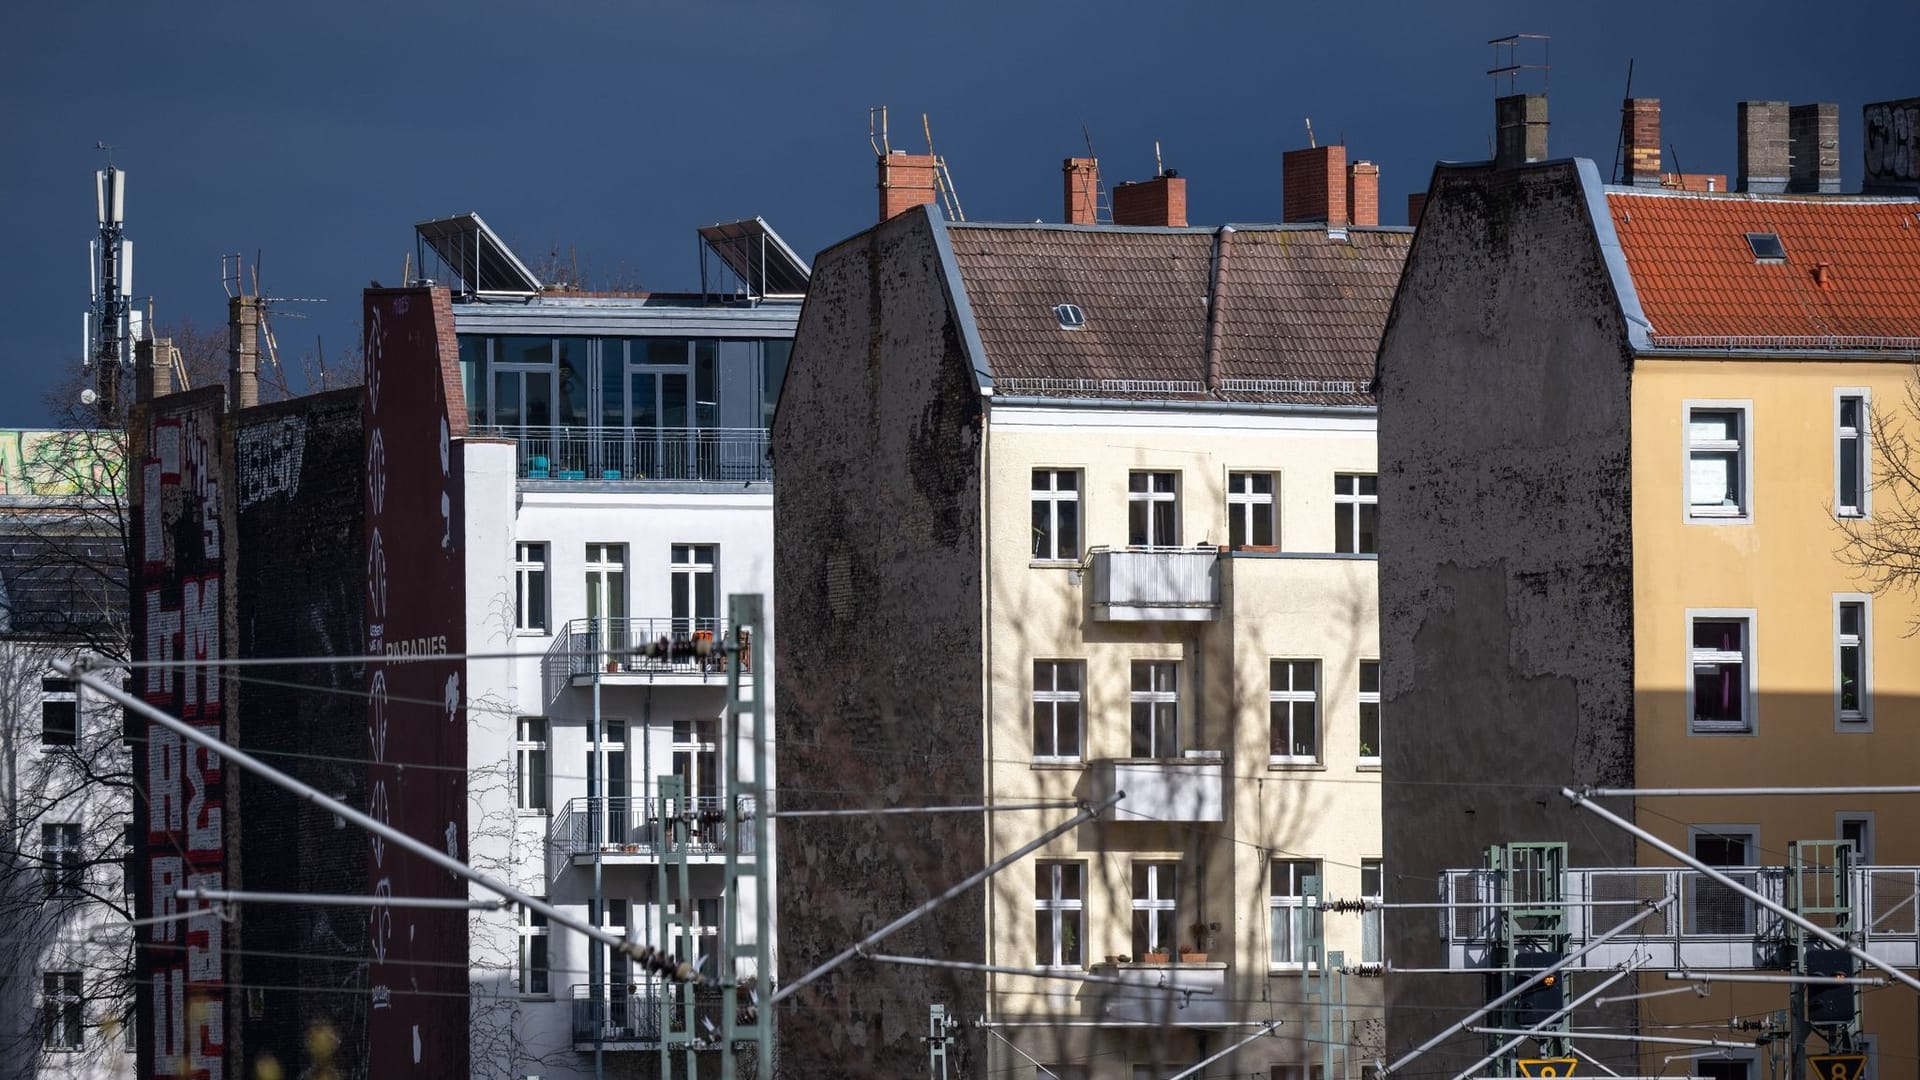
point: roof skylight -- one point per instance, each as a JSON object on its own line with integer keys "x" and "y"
{"x": 1767, "y": 247}
{"x": 1070, "y": 316}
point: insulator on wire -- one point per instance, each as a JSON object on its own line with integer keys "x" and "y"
{"x": 661, "y": 962}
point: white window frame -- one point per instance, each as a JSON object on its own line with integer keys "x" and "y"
{"x": 532, "y": 758}
{"x": 1052, "y": 498}
{"x": 1049, "y": 701}
{"x": 1150, "y": 497}
{"x": 1750, "y": 703}
{"x": 1157, "y": 702}
{"x": 1291, "y": 902}
{"x": 1062, "y": 911}
{"x": 1368, "y": 697}
{"x": 1373, "y": 922}
{"x": 532, "y": 559}
{"x": 51, "y": 694}
{"x": 63, "y": 859}
{"x": 1348, "y": 504}
{"x": 1245, "y": 507}
{"x": 1843, "y": 818}
{"x": 66, "y": 992}
{"x": 1853, "y": 720}
{"x": 1741, "y": 446}
{"x": 699, "y": 565}
{"x": 1749, "y": 833}
{"x": 532, "y": 929}
{"x": 1290, "y": 695}
{"x": 1162, "y": 912}
{"x": 1862, "y": 436}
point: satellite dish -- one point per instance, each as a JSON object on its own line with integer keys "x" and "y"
{"x": 88, "y": 397}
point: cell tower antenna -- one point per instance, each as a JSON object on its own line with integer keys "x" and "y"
{"x": 112, "y": 322}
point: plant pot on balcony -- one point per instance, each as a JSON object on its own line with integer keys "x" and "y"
{"x": 1155, "y": 958}
{"x": 1193, "y": 958}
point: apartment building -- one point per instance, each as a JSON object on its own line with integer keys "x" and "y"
{"x": 1645, "y": 460}
{"x": 618, "y": 493}
{"x": 1061, "y": 512}
{"x": 66, "y": 1000}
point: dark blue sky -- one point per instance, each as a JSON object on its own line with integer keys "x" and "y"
{"x": 319, "y": 133}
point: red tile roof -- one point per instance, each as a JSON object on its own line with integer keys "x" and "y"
{"x": 1851, "y": 278}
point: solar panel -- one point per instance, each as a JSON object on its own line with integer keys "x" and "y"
{"x": 752, "y": 250}
{"x": 483, "y": 261}
{"x": 1767, "y": 246}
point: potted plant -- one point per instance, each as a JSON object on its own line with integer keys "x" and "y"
{"x": 1155, "y": 955}
{"x": 1204, "y": 936}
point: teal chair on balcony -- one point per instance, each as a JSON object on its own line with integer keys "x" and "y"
{"x": 537, "y": 466}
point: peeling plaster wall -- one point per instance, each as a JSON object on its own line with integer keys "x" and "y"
{"x": 1505, "y": 555}
{"x": 878, "y": 594}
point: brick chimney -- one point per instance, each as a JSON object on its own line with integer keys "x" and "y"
{"x": 1081, "y": 181}
{"x": 1159, "y": 201}
{"x": 1813, "y": 149}
{"x": 1416, "y": 202}
{"x": 243, "y": 352}
{"x": 1363, "y": 193}
{"x": 1520, "y": 129}
{"x": 1640, "y": 133}
{"x": 1314, "y": 185}
{"x": 1761, "y": 150}
{"x": 906, "y": 181}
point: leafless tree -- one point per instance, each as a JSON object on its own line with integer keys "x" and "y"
{"x": 1884, "y": 548}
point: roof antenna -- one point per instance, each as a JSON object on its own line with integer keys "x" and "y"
{"x": 1159, "y": 170}
{"x": 877, "y": 130}
{"x": 1679, "y": 178}
{"x": 1310, "y": 143}
{"x": 1620, "y": 144}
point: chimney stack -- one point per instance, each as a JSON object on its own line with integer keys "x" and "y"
{"x": 1813, "y": 149}
{"x": 1640, "y": 132}
{"x": 1416, "y": 202}
{"x": 243, "y": 352}
{"x": 1761, "y": 151}
{"x": 906, "y": 181}
{"x": 1159, "y": 201}
{"x": 1520, "y": 129}
{"x": 1363, "y": 193}
{"x": 1313, "y": 186}
{"x": 1082, "y": 183}
{"x": 153, "y": 368}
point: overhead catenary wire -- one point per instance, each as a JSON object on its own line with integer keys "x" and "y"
{"x": 1032, "y": 973}
{"x": 229, "y": 896}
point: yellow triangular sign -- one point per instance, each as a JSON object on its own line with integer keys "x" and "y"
{"x": 1559, "y": 1068}
{"x": 1837, "y": 1066}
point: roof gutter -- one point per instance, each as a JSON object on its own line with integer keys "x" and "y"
{"x": 1216, "y": 304}
{"x": 1289, "y": 407}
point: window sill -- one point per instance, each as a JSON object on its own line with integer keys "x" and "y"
{"x": 1061, "y": 765}
{"x": 1291, "y": 765}
{"x": 526, "y": 813}
{"x": 1741, "y": 518}
{"x": 1854, "y": 725}
{"x": 1719, "y": 732}
{"x": 535, "y": 998}
{"x": 1368, "y": 765}
{"x": 532, "y": 633}
{"x": 1054, "y": 564}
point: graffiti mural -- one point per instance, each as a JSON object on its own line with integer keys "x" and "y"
{"x": 1893, "y": 148}
{"x": 60, "y": 462}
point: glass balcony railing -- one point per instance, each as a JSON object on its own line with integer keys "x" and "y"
{"x": 714, "y": 455}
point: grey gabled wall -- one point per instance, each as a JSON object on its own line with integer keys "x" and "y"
{"x": 877, "y": 584}
{"x": 1506, "y": 583}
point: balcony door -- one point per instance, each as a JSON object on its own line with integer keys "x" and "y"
{"x": 696, "y": 756}
{"x": 615, "y": 819}
{"x": 696, "y": 589}
{"x": 607, "y": 627}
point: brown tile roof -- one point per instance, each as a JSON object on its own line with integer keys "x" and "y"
{"x": 1300, "y": 317}
{"x": 1699, "y": 284}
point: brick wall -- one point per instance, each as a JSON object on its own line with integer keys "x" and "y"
{"x": 1314, "y": 186}
{"x": 1160, "y": 201}
{"x": 1080, "y": 181}
{"x": 906, "y": 181}
{"x": 1640, "y": 124}
{"x": 1363, "y": 193}
{"x": 1761, "y": 147}
{"x": 877, "y": 585}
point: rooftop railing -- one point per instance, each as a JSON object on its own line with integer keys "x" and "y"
{"x": 713, "y": 455}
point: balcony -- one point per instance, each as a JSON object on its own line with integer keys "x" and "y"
{"x": 1159, "y": 995}
{"x": 629, "y": 1017}
{"x": 712, "y": 455}
{"x": 629, "y": 830}
{"x": 1163, "y": 789}
{"x": 586, "y": 649}
{"x": 1156, "y": 584}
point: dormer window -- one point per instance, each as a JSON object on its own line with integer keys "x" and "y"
{"x": 1766, "y": 247}
{"x": 1070, "y": 316}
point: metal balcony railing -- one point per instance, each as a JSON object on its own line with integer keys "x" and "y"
{"x": 718, "y": 455}
{"x": 1156, "y": 584}
{"x": 636, "y": 1013}
{"x": 633, "y": 826}
{"x": 586, "y": 646}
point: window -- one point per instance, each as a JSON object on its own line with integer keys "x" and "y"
{"x": 60, "y": 997}
{"x": 1766, "y": 247}
{"x": 1720, "y": 675}
{"x": 606, "y": 570}
{"x": 1056, "y": 515}
{"x": 1156, "y": 709}
{"x": 1250, "y": 516}
{"x": 1712, "y": 907}
{"x": 1371, "y": 930}
{"x": 1059, "y": 913}
{"x": 1852, "y": 663}
{"x": 1850, "y": 456}
{"x": 1293, "y": 708}
{"x": 1156, "y": 927}
{"x": 1070, "y": 316}
{"x": 1369, "y": 712}
{"x": 530, "y": 752}
{"x": 1153, "y": 509}
{"x": 607, "y": 781}
{"x": 1356, "y": 513}
{"x": 1056, "y": 709}
{"x": 1857, "y": 828}
{"x": 1717, "y": 464}
{"x": 1296, "y": 923}
{"x": 59, "y": 712}
{"x": 696, "y": 590}
{"x": 60, "y": 858}
{"x": 534, "y": 934}
{"x": 530, "y": 587}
